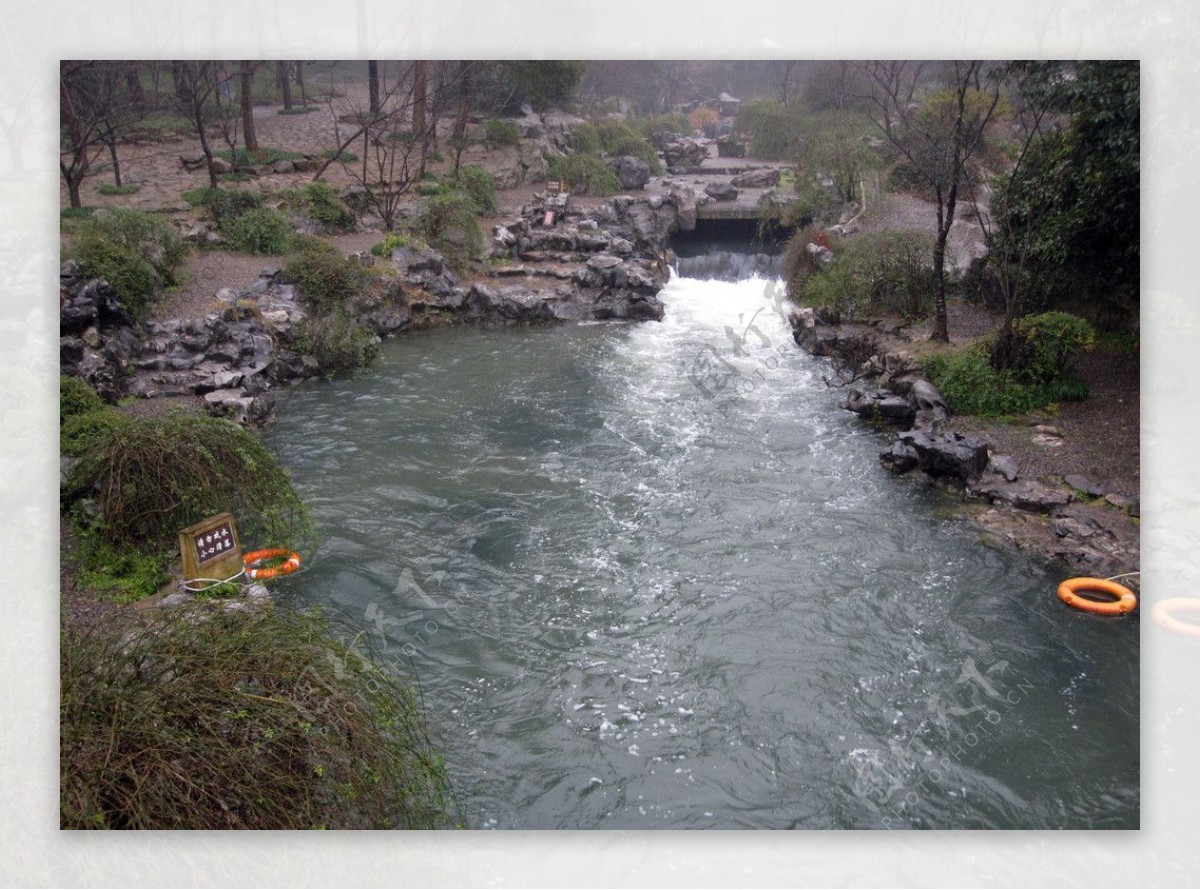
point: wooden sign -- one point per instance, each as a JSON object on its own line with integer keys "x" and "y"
{"x": 553, "y": 186}
{"x": 211, "y": 549}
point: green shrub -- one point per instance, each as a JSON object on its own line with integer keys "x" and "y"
{"x": 83, "y": 432}
{"x": 73, "y": 213}
{"x": 883, "y": 271}
{"x": 261, "y": 230}
{"x": 202, "y": 719}
{"x": 130, "y": 274}
{"x": 1041, "y": 349}
{"x": 661, "y": 128}
{"x": 450, "y": 224}
{"x": 326, "y": 278}
{"x": 156, "y": 475}
{"x": 108, "y": 188}
{"x": 775, "y": 130}
{"x": 499, "y": 132}
{"x": 618, "y": 138}
{"x": 137, "y": 252}
{"x": 323, "y": 204}
{"x": 798, "y": 264}
{"x": 479, "y": 186}
{"x": 75, "y": 397}
{"x": 970, "y": 385}
{"x": 585, "y": 174}
{"x": 338, "y": 342}
{"x": 392, "y": 241}
{"x": 225, "y": 206}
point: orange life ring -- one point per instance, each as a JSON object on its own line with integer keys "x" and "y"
{"x": 1125, "y": 600}
{"x": 1164, "y": 613}
{"x": 290, "y": 564}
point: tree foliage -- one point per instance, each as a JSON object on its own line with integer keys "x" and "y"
{"x": 1076, "y": 199}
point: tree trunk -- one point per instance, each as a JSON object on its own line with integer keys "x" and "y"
{"x": 460, "y": 122}
{"x": 420, "y": 98}
{"x": 183, "y": 91}
{"x": 300, "y": 81}
{"x": 133, "y": 82}
{"x": 247, "y": 82}
{"x": 285, "y": 84}
{"x": 941, "y": 330}
{"x": 72, "y": 185}
{"x": 373, "y": 85}
{"x": 111, "y": 141}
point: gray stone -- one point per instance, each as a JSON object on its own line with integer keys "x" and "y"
{"x": 1003, "y": 465}
{"x": 721, "y": 191}
{"x": 1086, "y": 485}
{"x": 765, "y": 177}
{"x": 948, "y": 454}
{"x": 1024, "y": 494}
{"x": 632, "y": 173}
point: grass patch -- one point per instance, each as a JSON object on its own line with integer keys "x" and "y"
{"x": 236, "y": 176}
{"x": 108, "y": 188}
{"x": 202, "y": 719}
{"x": 346, "y": 156}
{"x": 74, "y": 213}
{"x": 264, "y": 155}
{"x": 299, "y": 109}
{"x": 322, "y": 203}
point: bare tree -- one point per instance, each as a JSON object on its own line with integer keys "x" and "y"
{"x": 201, "y": 82}
{"x": 373, "y": 85}
{"x": 88, "y": 106}
{"x": 393, "y": 140}
{"x": 938, "y": 138}
{"x": 285, "y": 83}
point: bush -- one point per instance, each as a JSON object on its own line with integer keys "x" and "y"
{"x": 326, "y": 278}
{"x": 261, "y": 231}
{"x": 323, "y": 204}
{"x": 157, "y": 475}
{"x": 264, "y": 155}
{"x": 883, "y": 271}
{"x": 1041, "y": 349}
{"x": 660, "y": 129}
{"x": 202, "y": 719}
{"x": 614, "y": 139}
{"x": 83, "y": 432}
{"x": 122, "y": 575}
{"x": 501, "y": 132}
{"x": 450, "y": 224}
{"x": 138, "y": 253}
{"x": 338, "y": 342}
{"x": 225, "y": 207}
{"x": 478, "y": 185}
{"x": 775, "y": 130}
{"x": 970, "y": 385}
{"x": 393, "y": 241}
{"x": 585, "y": 174}
{"x": 75, "y": 397}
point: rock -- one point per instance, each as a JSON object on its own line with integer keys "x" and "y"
{"x": 174, "y": 600}
{"x": 899, "y": 458}
{"x": 220, "y": 165}
{"x": 1086, "y": 485}
{"x": 721, "y": 191}
{"x": 306, "y": 165}
{"x": 1024, "y": 494}
{"x": 632, "y": 173}
{"x": 762, "y": 178}
{"x": 729, "y": 147}
{"x": 1132, "y": 506}
{"x": 684, "y": 153}
{"x": 948, "y": 454}
{"x": 879, "y": 405}
{"x": 1002, "y": 465}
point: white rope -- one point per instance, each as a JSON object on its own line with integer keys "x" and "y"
{"x": 1126, "y": 575}
{"x": 212, "y": 582}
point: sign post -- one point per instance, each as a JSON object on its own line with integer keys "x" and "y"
{"x": 211, "y": 549}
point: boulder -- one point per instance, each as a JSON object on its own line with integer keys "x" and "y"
{"x": 721, "y": 191}
{"x": 948, "y": 454}
{"x": 1088, "y": 486}
{"x": 283, "y": 166}
{"x": 764, "y": 177}
{"x": 880, "y": 405}
{"x": 632, "y": 173}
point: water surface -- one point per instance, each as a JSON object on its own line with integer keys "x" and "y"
{"x": 651, "y": 576}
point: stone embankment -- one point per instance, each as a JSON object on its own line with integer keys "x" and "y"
{"x": 1066, "y": 518}
{"x": 552, "y": 263}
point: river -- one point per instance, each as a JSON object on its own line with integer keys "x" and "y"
{"x": 651, "y": 576}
